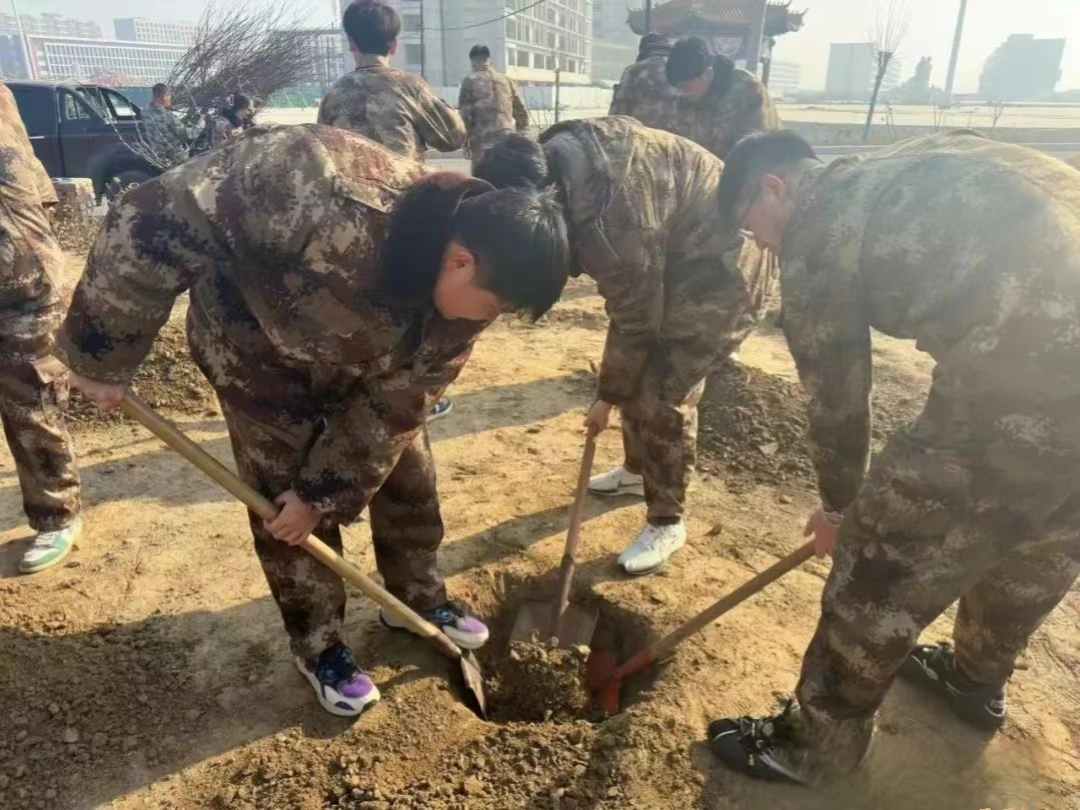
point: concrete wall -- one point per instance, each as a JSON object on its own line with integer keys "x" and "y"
{"x": 850, "y": 134}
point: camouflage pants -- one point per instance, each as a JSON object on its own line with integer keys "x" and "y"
{"x": 32, "y": 397}
{"x": 947, "y": 513}
{"x": 405, "y": 521}
{"x": 703, "y": 324}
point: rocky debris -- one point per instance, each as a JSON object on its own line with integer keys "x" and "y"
{"x": 168, "y": 379}
{"x": 538, "y": 682}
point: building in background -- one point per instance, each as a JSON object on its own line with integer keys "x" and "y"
{"x": 102, "y": 61}
{"x": 144, "y": 29}
{"x": 12, "y": 58}
{"x": 1022, "y": 68}
{"x": 528, "y": 46}
{"x": 330, "y": 58}
{"x": 852, "y": 70}
{"x": 615, "y": 44}
{"x": 784, "y": 79}
{"x": 744, "y": 30}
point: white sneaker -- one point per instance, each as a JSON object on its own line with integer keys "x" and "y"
{"x": 618, "y": 482}
{"x": 652, "y": 548}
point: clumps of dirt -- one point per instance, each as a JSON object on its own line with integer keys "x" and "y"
{"x": 538, "y": 682}
{"x": 753, "y": 429}
{"x": 168, "y": 380}
{"x": 83, "y": 701}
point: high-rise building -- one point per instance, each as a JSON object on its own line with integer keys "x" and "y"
{"x": 784, "y": 79}
{"x": 1022, "y": 68}
{"x": 144, "y": 29}
{"x": 853, "y": 68}
{"x": 54, "y": 25}
{"x": 102, "y": 61}
{"x": 12, "y": 55}
{"x": 614, "y": 42}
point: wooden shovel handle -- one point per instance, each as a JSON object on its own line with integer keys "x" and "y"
{"x": 573, "y": 534}
{"x": 669, "y": 642}
{"x": 261, "y": 506}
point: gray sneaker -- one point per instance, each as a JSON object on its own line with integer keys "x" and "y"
{"x": 50, "y": 548}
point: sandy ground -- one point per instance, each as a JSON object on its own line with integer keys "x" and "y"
{"x": 151, "y": 671}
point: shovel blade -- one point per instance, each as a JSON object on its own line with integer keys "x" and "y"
{"x": 474, "y": 682}
{"x": 604, "y": 684}
{"x": 533, "y": 623}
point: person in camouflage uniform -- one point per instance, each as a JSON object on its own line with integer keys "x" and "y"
{"x": 167, "y": 137}
{"x": 394, "y": 108}
{"x": 335, "y": 292}
{"x": 718, "y": 104}
{"x": 643, "y": 91}
{"x": 33, "y": 384}
{"x": 641, "y": 209}
{"x": 489, "y": 103}
{"x": 972, "y": 248}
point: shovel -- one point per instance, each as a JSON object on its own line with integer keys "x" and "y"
{"x": 174, "y": 438}
{"x": 571, "y": 625}
{"x": 605, "y": 678}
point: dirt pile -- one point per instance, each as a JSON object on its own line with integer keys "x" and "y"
{"x": 752, "y": 429}
{"x": 168, "y": 379}
{"x": 538, "y": 682}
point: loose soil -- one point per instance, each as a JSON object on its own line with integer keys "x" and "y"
{"x": 151, "y": 670}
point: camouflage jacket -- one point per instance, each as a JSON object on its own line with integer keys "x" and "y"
{"x": 721, "y": 119}
{"x": 644, "y": 93}
{"x": 165, "y": 135}
{"x": 277, "y": 236}
{"x": 642, "y": 212}
{"x": 490, "y": 105}
{"x": 394, "y": 108}
{"x": 30, "y": 259}
{"x": 970, "y": 247}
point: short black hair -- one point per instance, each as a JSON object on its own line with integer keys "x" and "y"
{"x": 372, "y": 26}
{"x": 479, "y": 52}
{"x": 520, "y": 239}
{"x": 689, "y": 58}
{"x": 514, "y": 161}
{"x": 753, "y": 157}
{"x": 160, "y": 90}
{"x": 518, "y": 236}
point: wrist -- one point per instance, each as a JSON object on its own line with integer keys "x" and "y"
{"x": 832, "y": 517}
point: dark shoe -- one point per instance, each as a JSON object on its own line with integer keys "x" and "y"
{"x": 460, "y": 626}
{"x": 440, "y": 409}
{"x": 761, "y": 748}
{"x": 933, "y": 666}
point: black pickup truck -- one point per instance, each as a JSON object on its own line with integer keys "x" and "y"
{"x": 83, "y": 130}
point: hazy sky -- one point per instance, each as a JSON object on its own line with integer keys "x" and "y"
{"x": 989, "y": 22}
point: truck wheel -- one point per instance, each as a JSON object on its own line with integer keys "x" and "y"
{"x": 122, "y": 181}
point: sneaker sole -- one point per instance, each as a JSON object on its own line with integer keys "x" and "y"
{"x": 37, "y": 568}
{"x": 618, "y": 493}
{"x": 655, "y": 568}
{"x": 374, "y": 697}
{"x": 463, "y": 644}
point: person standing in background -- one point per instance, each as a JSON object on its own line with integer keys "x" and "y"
{"x": 489, "y": 103}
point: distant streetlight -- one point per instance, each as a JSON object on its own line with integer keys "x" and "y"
{"x": 30, "y": 72}
{"x": 951, "y": 81}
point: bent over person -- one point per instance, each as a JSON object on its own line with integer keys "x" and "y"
{"x": 335, "y": 292}
{"x": 972, "y": 248}
{"x": 33, "y": 383}
{"x": 641, "y": 209}
{"x": 644, "y": 92}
